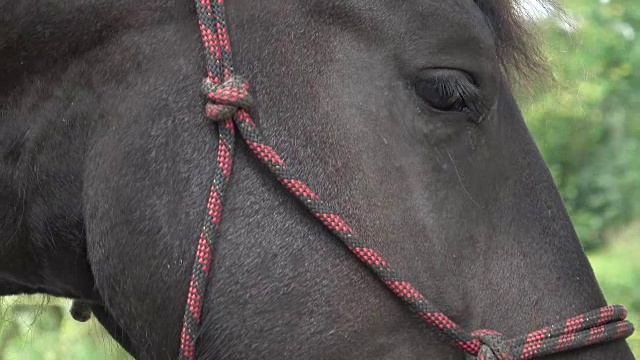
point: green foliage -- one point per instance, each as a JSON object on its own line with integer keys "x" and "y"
{"x": 34, "y": 328}
{"x": 618, "y": 271}
{"x": 588, "y": 126}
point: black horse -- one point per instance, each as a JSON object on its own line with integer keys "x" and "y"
{"x": 399, "y": 111}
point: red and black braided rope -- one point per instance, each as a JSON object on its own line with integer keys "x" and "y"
{"x": 216, "y": 43}
{"x": 228, "y": 104}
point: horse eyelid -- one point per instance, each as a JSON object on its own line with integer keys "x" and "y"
{"x": 464, "y": 88}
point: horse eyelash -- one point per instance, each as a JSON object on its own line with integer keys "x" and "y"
{"x": 463, "y": 88}
{"x": 450, "y": 86}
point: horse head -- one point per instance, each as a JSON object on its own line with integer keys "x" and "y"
{"x": 401, "y": 113}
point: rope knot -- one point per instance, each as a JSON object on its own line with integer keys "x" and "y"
{"x": 494, "y": 346}
{"x": 227, "y": 98}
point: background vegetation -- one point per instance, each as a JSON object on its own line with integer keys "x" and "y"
{"x": 587, "y": 125}
{"x": 588, "y": 129}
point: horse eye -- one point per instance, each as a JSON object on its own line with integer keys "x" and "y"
{"x": 431, "y": 92}
{"x": 450, "y": 90}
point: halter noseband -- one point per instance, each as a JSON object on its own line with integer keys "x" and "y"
{"x": 228, "y": 104}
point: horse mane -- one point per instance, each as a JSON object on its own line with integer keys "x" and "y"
{"x": 517, "y": 37}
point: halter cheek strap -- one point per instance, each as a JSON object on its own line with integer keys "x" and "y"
{"x": 228, "y": 104}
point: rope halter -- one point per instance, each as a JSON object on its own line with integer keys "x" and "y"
{"x": 227, "y": 98}
{"x": 494, "y": 346}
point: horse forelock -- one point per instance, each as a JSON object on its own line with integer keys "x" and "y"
{"x": 516, "y": 35}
